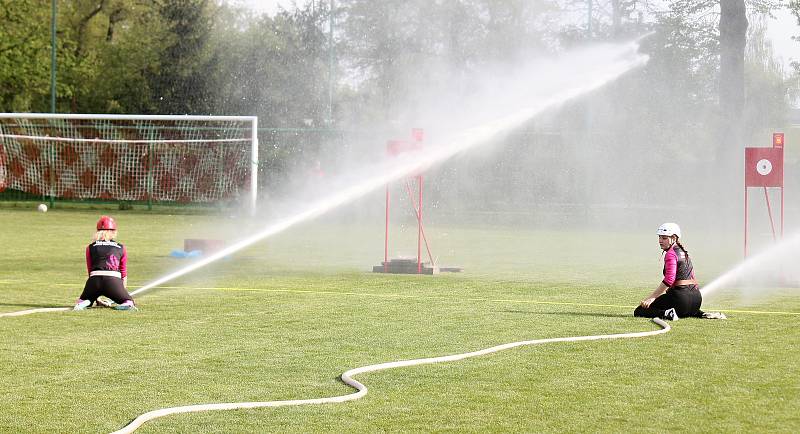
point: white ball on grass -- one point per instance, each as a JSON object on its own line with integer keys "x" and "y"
{"x": 42, "y": 207}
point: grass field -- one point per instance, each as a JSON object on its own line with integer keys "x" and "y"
{"x": 284, "y": 318}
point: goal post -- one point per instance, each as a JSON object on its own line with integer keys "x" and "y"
{"x": 143, "y": 158}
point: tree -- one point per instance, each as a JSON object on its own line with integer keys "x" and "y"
{"x": 794, "y": 7}
{"x": 732, "y": 40}
{"x": 396, "y": 48}
{"x": 274, "y": 67}
{"x": 765, "y": 83}
{"x": 110, "y": 47}
{"x": 24, "y": 55}
{"x": 181, "y": 84}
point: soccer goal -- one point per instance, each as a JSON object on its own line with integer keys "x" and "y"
{"x": 141, "y": 158}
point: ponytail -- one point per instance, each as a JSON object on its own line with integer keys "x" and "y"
{"x": 678, "y": 242}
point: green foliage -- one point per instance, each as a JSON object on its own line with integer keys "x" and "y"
{"x": 794, "y": 6}
{"x": 675, "y": 98}
{"x": 766, "y": 84}
{"x": 208, "y": 57}
{"x": 24, "y": 54}
{"x": 402, "y": 47}
{"x": 276, "y": 68}
{"x": 182, "y": 84}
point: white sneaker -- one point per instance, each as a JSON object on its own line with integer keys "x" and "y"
{"x": 82, "y": 304}
{"x": 127, "y": 305}
{"x": 104, "y": 302}
{"x": 714, "y": 315}
{"x": 670, "y": 314}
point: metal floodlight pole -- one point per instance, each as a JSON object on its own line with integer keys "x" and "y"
{"x": 419, "y": 226}
{"x": 330, "y": 66}
{"x": 589, "y": 7}
{"x": 53, "y": 10}
{"x": 386, "y": 235}
{"x": 53, "y": 64}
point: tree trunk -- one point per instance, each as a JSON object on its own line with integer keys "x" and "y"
{"x": 616, "y": 18}
{"x": 732, "y": 38}
{"x": 728, "y": 154}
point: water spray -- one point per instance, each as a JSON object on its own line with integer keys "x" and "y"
{"x": 623, "y": 58}
{"x": 581, "y": 74}
{"x": 781, "y": 255}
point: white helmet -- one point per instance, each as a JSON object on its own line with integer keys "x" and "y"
{"x": 669, "y": 229}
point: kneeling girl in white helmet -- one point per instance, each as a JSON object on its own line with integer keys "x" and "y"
{"x": 107, "y": 264}
{"x": 677, "y": 296}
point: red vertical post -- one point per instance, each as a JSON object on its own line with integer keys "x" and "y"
{"x": 386, "y": 235}
{"x": 418, "y": 134}
{"x": 778, "y": 140}
{"x": 745, "y": 221}
{"x": 781, "y": 212}
{"x": 769, "y": 213}
{"x": 419, "y": 226}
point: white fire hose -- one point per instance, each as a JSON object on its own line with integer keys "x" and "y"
{"x": 361, "y": 390}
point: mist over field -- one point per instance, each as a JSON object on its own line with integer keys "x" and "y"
{"x": 332, "y": 83}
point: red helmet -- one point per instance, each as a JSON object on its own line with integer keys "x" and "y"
{"x": 106, "y": 223}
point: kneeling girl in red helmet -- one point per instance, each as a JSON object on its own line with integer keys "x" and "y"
{"x": 107, "y": 264}
{"x": 677, "y": 295}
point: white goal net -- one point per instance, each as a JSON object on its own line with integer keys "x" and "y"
{"x": 179, "y": 159}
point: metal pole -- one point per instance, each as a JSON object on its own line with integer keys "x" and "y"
{"x": 782, "y": 187}
{"x": 53, "y": 9}
{"x": 330, "y": 66}
{"x": 745, "y": 221}
{"x": 52, "y": 161}
{"x": 419, "y": 226}
{"x": 769, "y": 212}
{"x": 422, "y": 226}
{"x": 781, "y": 210}
{"x": 386, "y": 235}
{"x": 589, "y": 18}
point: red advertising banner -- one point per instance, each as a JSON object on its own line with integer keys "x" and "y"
{"x": 763, "y": 167}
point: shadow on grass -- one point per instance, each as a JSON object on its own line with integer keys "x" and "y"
{"x": 608, "y": 315}
{"x": 31, "y": 305}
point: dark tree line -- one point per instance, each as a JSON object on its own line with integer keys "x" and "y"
{"x": 207, "y": 57}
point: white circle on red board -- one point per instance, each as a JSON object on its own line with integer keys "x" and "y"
{"x": 764, "y": 167}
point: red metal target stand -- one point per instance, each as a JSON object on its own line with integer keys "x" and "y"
{"x": 404, "y": 265}
{"x": 763, "y": 167}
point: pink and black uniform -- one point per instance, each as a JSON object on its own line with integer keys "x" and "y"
{"x": 682, "y": 294}
{"x": 107, "y": 264}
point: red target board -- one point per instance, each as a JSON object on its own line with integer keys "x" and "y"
{"x": 763, "y": 167}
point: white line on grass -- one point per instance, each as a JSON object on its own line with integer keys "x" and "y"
{"x": 422, "y": 297}
{"x": 361, "y": 390}
{"x": 430, "y": 297}
{"x": 38, "y": 310}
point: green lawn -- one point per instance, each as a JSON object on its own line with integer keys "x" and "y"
{"x": 284, "y": 318}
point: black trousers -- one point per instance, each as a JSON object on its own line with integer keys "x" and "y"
{"x": 686, "y": 301}
{"x": 109, "y": 286}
